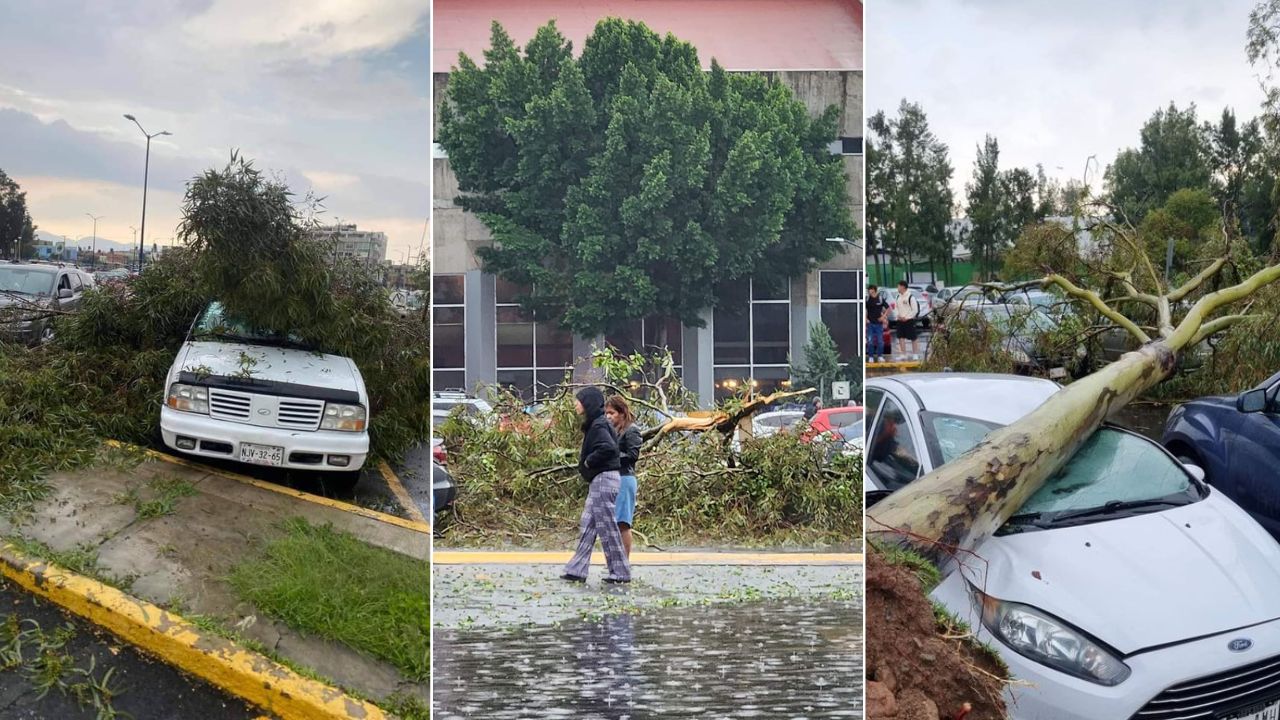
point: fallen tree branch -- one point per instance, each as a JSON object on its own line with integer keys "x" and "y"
{"x": 1093, "y": 299}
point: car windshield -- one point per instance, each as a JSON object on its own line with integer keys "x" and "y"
{"x": 24, "y": 280}
{"x": 1114, "y": 473}
{"x": 214, "y": 324}
{"x": 849, "y": 432}
{"x": 1019, "y": 320}
{"x": 841, "y": 419}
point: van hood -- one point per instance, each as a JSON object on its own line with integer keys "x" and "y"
{"x": 274, "y": 364}
{"x": 1139, "y": 582}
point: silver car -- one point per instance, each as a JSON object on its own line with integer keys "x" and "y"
{"x": 32, "y": 294}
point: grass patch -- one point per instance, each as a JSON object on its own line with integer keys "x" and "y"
{"x": 924, "y": 570}
{"x": 163, "y": 494}
{"x": 331, "y": 584}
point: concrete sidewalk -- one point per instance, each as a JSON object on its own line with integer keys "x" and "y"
{"x": 182, "y": 559}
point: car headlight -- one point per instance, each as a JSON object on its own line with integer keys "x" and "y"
{"x": 348, "y": 418}
{"x": 1049, "y": 641}
{"x": 188, "y": 398}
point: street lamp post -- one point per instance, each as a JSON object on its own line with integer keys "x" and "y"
{"x": 96, "y": 218}
{"x": 146, "y": 169}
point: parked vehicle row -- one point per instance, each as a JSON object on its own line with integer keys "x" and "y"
{"x": 32, "y": 294}
{"x": 1133, "y": 584}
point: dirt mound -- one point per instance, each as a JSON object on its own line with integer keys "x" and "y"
{"x": 914, "y": 672}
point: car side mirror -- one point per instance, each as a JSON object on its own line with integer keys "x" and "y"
{"x": 1196, "y": 471}
{"x": 64, "y": 293}
{"x": 1252, "y": 401}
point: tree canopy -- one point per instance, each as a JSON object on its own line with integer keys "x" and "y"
{"x": 15, "y": 220}
{"x": 629, "y": 182}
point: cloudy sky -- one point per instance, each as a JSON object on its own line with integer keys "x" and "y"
{"x": 332, "y": 95}
{"x": 1055, "y": 81}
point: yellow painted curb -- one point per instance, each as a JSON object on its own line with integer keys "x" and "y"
{"x": 421, "y": 527}
{"x": 402, "y": 495}
{"x": 484, "y": 557}
{"x": 259, "y": 680}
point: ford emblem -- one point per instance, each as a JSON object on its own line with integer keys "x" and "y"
{"x": 264, "y": 411}
{"x": 1239, "y": 644}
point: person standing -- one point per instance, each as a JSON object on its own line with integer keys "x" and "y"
{"x": 877, "y": 321}
{"x": 629, "y": 442}
{"x": 905, "y": 310}
{"x": 598, "y": 462}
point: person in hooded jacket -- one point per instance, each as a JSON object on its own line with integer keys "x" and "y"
{"x": 598, "y": 462}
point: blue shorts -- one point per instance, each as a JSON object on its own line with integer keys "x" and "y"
{"x": 626, "y": 500}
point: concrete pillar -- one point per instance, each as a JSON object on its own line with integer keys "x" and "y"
{"x": 583, "y": 372}
{"x": 481, "y": 329}
{"x": 699, "y": 360}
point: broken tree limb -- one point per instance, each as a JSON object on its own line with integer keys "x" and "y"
{"x": 960, "y": 504}
{"x": 724, "y": 422}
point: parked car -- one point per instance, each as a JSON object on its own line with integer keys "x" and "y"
{"x": 1125, "y": 588}
{"x": 952, "y": 300}
{"x": 1021, "y": 327}
{"x": 238, "y": 393}
{"x": 443, "y": 403}
{"x": 1046, "y": 302}
{"x": 443, "y": 488}
{"x": 828, "y": 419}
{"x": 771, "y": 423}
{"x": 1236, "y": 439}
{"x": 32, "y": 293}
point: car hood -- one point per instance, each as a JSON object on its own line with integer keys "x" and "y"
{"x": 277, "y": 364}
{"x": 1143, "y": 581}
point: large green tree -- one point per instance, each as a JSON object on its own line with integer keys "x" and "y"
{"x": 1173, "y": 154}
{"x": 15, "y": 221}
{"x": 986, "y": 207}
{"x": 909, "y": 194}
{"x": 629, "y": 182}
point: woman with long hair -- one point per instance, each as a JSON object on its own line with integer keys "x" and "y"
{"x": 598, "y": 463}
{"x": 629, "y": 442}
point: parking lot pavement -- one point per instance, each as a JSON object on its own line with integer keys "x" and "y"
{"x": 415, "y": 474}
{"x": 506, "y": 594}
{"x": 757, "y": 641}
{"x": 143, "y": 687}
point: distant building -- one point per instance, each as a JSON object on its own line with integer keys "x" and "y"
{"x": 369, "y": 246}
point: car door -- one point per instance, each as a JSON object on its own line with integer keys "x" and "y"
{"x": 892, "y": 454}
{"x": 1253, "y": 452}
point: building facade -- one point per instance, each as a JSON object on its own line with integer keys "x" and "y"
{"x": 753, "y": 335}
{"x": 367, "y": 246}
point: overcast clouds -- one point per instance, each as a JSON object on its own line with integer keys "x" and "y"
{"x": 1055, "y": 82}
{"x": 331, "y": 94}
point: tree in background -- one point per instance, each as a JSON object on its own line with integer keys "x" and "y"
{"x": 15, "y": 221}
{"x": 1173, "y": 154}
{"x": 630, "y": 182}
{"x": 909, "y": 187}
{"x": 1041, "y": 246}
{"x": 822, "y": 364}
{"x": 986, "y": 207}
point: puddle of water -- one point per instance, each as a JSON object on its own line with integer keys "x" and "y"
{"x": 791, "y": 659}
{"x": 1145, "y": 418}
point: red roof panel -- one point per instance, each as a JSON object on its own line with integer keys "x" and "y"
{"x": 740, "y": 34}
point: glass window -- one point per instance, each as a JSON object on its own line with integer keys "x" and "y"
{"x": 891, "y": 453}
{"x": 772, "y": 289}
{"x": 843, "y": 320}
{"x": 555, "y": 346}
{"x": 732, "y": 337}
{"x": 771, "y": 339}
{"x": 950, "y": 436}
{"x": 508, "y": 292}
{"x": 840, "y": 285}
{"x": 515, "y": 344}
{"x": 448, "y": 348}
{"x": 448, "y": 379}
{"x": 448, "y": 289}
{"x": 872, "y": 397}
{"x": 518, "y": 381}
{"x": 627, "y": 340}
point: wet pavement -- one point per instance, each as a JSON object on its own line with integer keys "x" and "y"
{"x": 1144, "y": 417}
{"x": 761, "y": 659}
{"x": 145, "y": 688}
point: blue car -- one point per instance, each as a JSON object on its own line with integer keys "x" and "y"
{"x": 1236, "y": 440}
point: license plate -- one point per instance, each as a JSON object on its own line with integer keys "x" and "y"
{"x": 262, "y": 454}
{"x": 1270, "y": 711}
{"x": 1057, "y": 373}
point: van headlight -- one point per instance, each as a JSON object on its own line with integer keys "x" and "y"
{"x": 1049, "y": 641}
{"x": 188, "y": 398}
{"x": 347, "y": 418}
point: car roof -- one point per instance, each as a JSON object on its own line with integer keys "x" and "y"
{"x": 973, "y": 394}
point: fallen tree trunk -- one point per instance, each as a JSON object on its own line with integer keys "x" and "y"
{"x": 959, "y": 505}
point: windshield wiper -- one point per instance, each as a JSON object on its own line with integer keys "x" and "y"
{"x": 1113, "y": 507}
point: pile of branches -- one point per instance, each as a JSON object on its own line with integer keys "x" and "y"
{"x": 518, "y": 482}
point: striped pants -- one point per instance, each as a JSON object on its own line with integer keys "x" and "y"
{"x": 598, "y": 521}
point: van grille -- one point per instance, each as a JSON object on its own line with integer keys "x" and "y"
{"x": 295, "y": 413}
{"x": 225, "y": 405}
{"x": 1207, "y": 697}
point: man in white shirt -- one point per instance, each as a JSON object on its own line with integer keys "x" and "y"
{"x": 905, "y": 310}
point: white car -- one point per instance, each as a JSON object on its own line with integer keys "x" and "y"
{"x": 771, "y": 423}
{"x": 237, "y": 394}
{"x": 1125, "y": 588}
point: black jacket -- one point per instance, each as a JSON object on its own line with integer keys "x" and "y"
{"x": 599, "y": 442}
{"x": 629, "y": 446}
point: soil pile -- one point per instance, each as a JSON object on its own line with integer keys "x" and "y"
{"x": 915, "y": 672}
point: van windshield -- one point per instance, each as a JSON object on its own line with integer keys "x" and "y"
{"x": 215, "y": 325}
